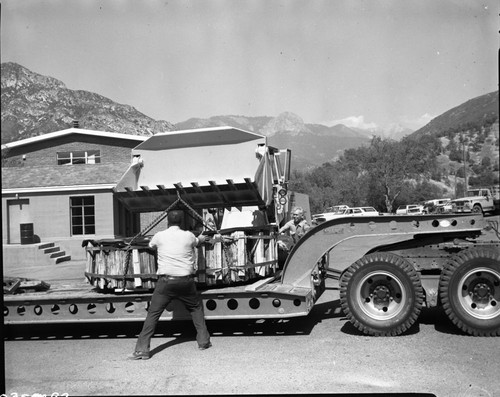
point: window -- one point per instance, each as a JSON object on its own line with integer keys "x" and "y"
{"x": 82, "y": 215}
{"x": 79, "y": 157}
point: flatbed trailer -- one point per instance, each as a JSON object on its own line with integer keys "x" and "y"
{"x": 387, "y": 268}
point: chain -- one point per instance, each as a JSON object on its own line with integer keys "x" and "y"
{"x": 142, "y": 233}
{"x": 155, "y": 223}
{"x": 225, "y": 247}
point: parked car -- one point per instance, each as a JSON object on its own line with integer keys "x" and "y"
{"x": 362, "y": 211}
{"x": 438, "y": 206}
{"x": 410, "y": 209}
{"x": 331, "y": 213}
{"x": 354, "y": 211}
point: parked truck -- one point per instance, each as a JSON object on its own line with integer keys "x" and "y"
{"x": 477, "y": 200}
{"x": 233, "y": 186}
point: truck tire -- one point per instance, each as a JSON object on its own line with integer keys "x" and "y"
{"x": 477, "y": 209}
{"x": 381, "y": 294}
{"x": 469, "y": 289}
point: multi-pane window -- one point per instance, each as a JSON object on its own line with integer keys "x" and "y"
{"x": 82, "y": 210}
{"x": 79, "y": 157}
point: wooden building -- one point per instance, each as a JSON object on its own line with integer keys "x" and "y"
{"x": 57, "y": 190}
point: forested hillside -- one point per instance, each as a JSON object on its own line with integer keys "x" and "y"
{"x": 426, "y": 165}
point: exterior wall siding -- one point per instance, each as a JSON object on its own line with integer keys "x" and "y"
{"x": 50, "y": 215}
{"x": 147, "y": 218}
{"x": 45, "y": 153}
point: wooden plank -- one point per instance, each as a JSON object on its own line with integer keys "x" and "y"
{"x": 241, "y": 249}
{"x": 35, "y": 285}
{"x": 250, "y": 184}
{"x": 155, "y": 198}
{"x": 231, "y": 184}
{"x": 163, "y": 190}
{"x": 260, "y": 256}
{"x": 221, "y": 196}
{"x": 180, "y": 188}
{"x": 131, "y": 192}
{"x": 196, "y": 187}
{"x": 218, "y": 260}
{"x": 11, "y": 285}
{"x": 137, "y": 267}
{"x": 272, "y": 254}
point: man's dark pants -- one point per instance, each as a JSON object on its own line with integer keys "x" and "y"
{"x": 183, "y": 289}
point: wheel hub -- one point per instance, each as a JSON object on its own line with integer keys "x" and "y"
{"x": 481, "y": 290}
{"x": 481, "y": 293}
{"x": 381, "y": 296}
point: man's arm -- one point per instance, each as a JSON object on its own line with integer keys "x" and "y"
{"x": 152, "y": 242}
{"x": 284, "y": 228}
{"x": 200, "y": 239}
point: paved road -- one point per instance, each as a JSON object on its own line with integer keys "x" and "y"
{"x": 321, "y": 353}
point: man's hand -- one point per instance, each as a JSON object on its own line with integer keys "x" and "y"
{"x": 201, "y": 239}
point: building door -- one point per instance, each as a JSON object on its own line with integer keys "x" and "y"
{"x": 18, "y": 213}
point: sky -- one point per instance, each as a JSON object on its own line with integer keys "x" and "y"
{"x": 363, "y": 63}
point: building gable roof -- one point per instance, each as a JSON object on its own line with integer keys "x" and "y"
{"x": 69, "y": 131}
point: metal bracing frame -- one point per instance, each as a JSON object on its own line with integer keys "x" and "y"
{"x": 346, "y": 240}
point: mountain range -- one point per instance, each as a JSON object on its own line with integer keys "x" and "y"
{"x": 33, "y": 104}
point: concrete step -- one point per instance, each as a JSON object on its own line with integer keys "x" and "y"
{"x": 51, "y": 249}
{"x": 64, "y": 258}
{"x": 45, "y": 245}
{"x": 57, "y": 254}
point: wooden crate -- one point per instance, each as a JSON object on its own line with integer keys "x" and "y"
{"x": 106, "y": 267}
{"x": 235, "y": 257}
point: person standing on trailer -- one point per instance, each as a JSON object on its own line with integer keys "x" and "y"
{"x": 176, "y": 260}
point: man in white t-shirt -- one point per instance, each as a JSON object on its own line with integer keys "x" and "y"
{"x": 176, "y": 259}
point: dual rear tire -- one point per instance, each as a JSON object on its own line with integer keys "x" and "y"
{"x": 381, "y": 293}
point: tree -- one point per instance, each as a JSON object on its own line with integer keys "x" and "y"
{"x": 425, "y": 191}
{"x": 460, "y": 190}
{"x": 390, "y": 164}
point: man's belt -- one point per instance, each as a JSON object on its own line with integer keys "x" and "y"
{"x": 167, "y": 277}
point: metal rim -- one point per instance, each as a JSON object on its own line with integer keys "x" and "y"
{"x": 479, "y": 293}
{"x": 381, "y": 295}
